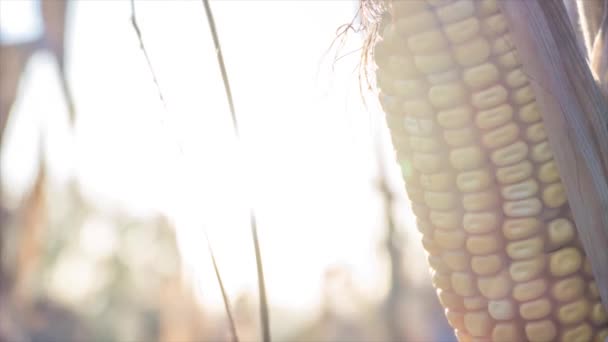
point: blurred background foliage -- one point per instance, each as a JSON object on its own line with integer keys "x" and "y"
{"x": 77, "y": 266}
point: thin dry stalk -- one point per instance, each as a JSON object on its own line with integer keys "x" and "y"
{"x": 225, "y": 298}
{"x": 393, "y": 246}
{"x": 135, "y": 25}
{"x": 218, "y": 276}
{"x": 264, "y": 312}
{"x": 590, "y": 18}
{"x": 599, "y": 54}
{"x": 54, "y": 14}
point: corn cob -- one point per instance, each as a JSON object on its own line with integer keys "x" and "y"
{"x": 505, "y": 257}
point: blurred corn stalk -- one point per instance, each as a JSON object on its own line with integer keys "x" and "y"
{"x": 501, "y": 131}
{"x": 14, "y": 58}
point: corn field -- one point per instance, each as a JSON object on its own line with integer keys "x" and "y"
{"x": 365, "y": 170}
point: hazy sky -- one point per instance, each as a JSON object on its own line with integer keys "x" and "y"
{"x": 305, "y": 162}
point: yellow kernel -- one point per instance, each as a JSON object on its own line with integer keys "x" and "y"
{"x": 523, "y": 95}
{"x": 462, "y": 336}
{"x": 560, "y": 232}
{"x": 475, "y": 303}
{"x": 494, "y": 25}
{"x": 573, "y": 312}
{"x": 449, "y": 239}
{"x": 422, "y": 21}
{"x": 478, "y": 323}
{"x": 581, "y": 333}
{"x": 517, "y": 191}
{"x": 455, "y": 118}
{"x": 502, "y": 44}
{"x": 437, "y": 264}
{"x": 423, "y": 144}
{"x": 541, "y": 331}
{"x": 565, "y": 261}
{"x": 486, "y": 264}
{"x": 478, "y": 223}
{"x": 509, "y": 60}
{"x": 463, "y": 30}
{"x": 408, "y": 8}
{"x": 529, "y": 113}
{"x": 514, "y": 173}
{"x": 430, "y": 246}
{"x": 473, "y": 52}
{"x": 500, "y": 136}
{"x": 536, "y": 309}
{"x": 515, "y": 229}
{"x": 524, "y": 249}
{"x": 463, "y": 284}
{"x": 467, "y": 158}
{"x": 426, "y": 162}
{"x": 494, "y": 117}
{"x": 459, "y": 137}
{"x": 456, "y": 11}
{"x": 428, "y": 41}
{"x": 490, "y": 97}
{"x": 554, "y": 195}
{"x": 456, "y": 260}
{"x": 440, "y": 200}
{"x": 475, "y": 180}
{"x": 524, "y": 270}
{"x": 441, "y": 281}
{"x": 446, "y": 219}
{"x": 487, "y": 7}
{"x": 536, "y": 132}
{"x": 516, "y": 78}
{"x": 529, "y": 290}
{"x": 510, "y": 154}
{"x": 502, "y": 309}
{"x": 402, "y": 66}
{"x": 409, "y": 89}
{"x": 479, "y": 201}
{"x": 483, "y": 244}
{"x": 481, "y": 76}
{"x": 506, "y": 332}
{"x": 449, "y": 299}
{"x": 455, "y": 319}
{"x": 523, "y": 208}
{"x": 495, "y": 287}
{"x": 420, "y": 210}
{"x": 548, "y": 173}
{"x": 448, "y": 76}
{"x": 425, "y": 227}
{"x": 434, "y": 63}
{"x": 417, "y": 108}
{"x": 598, "y": 314}
{"x": 418, "y": 127}
{"x": 445, "y": 96}
{"x": 437, "y": 181}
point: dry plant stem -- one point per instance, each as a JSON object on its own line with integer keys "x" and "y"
{"x": 575, "y": 20}
{"x": 572, "y": 109}
{"x": 145, "y": 52}
{"x": 599, "y": 55}
{"x": 393, "y": 245}
{"x": 590, "y": 17}
{"x": 54, "y": 15}
{"x": 395, "y": 256}
{"x": 264, "y": 316}
{"x": 233, "y": 331}
{"x": 213, "y": 259}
